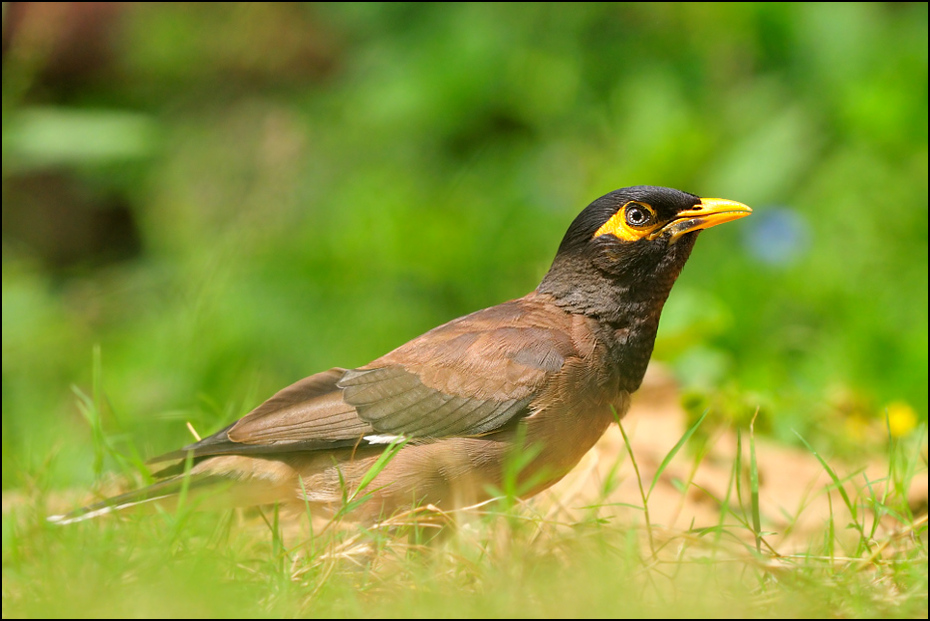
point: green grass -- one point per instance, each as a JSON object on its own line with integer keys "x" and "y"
{"x": 503, "y": 559}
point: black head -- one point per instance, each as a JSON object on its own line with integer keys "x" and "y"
{"x": 629, "y": 246}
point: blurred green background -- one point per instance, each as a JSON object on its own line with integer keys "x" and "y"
{"x": 227, "y": 198}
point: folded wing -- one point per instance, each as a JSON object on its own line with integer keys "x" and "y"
{"x": 468, "y": 377}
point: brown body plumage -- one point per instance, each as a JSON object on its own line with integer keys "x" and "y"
{"x": 546, "y": 373}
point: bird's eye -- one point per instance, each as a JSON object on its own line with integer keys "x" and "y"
{"x": 637, "y": 215}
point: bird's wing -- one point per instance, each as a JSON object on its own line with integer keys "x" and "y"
{"x": 307, "y": 415}
{"x": 467, "y": 377}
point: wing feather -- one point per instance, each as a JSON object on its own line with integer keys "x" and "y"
{"x": 467, "y": 377}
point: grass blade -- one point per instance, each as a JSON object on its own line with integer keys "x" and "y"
{"x": 754, "y": 485}
{"x": 842, "y": 490}
{"x": 671, "y": 454}
{"x": 639, "y": 481}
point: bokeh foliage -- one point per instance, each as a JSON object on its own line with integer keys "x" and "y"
{"x": 312, "y": 185}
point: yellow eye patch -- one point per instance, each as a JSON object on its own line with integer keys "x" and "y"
{"x": 632, "y": 222}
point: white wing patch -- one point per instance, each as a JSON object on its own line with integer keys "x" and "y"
{"x": 383, "y": 439}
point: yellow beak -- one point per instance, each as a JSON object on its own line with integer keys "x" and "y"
{"x": 709, "y": 212}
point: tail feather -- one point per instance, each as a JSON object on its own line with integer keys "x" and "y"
{"x": 167, "y": 490}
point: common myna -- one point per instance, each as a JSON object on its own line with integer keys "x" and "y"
{"x": 540, "y": 377}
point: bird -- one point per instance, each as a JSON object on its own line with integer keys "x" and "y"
{"x": 442, "y": 419}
